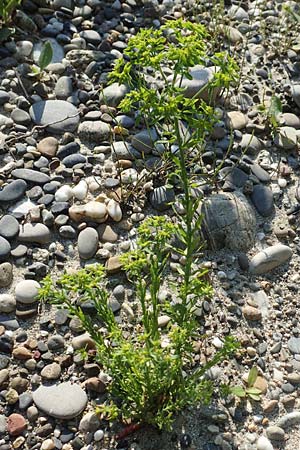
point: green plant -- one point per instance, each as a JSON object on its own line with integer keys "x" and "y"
{"x": 151, "y": 382}
{"x": 45, "y": 59}
{"x": 153, "y": 374}
{"x": 249, "y": 391}
{"x": 7, "y": 8}
{"x": 272, "y": 112}
{"x": 177, "y": 46}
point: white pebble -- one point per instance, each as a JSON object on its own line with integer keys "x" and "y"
{"x": 282, "y": 182}
{"x": 48, "y": 444}
{"x": 80, "y": 190}
{"x": 63, "y": 194}
{"x": 129, "y": 176}
{"x": 264, "y": 444}
{"x": 114, "y": 210}
{"x": 98, "y": 435}
{"x": 216, "y": 342}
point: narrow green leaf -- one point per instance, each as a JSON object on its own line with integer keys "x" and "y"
{"x": 252, "y": 376}
{"x": 46, "y": 55}
{"x": 275, "y": 107}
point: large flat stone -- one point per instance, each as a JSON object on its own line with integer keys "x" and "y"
{"x": 30, "y": 175}
{"x": 64, "y": 114}
{"x": 63, "y": 401}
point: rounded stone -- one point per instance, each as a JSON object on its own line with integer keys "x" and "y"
{"x": 88, "y": 241}
{"x": 228, "y": 221}
{"x": 83, "y": 341}
{"x": 262, "y": 199}
{"x": 112, "y": 95}
{"x": 16, "y": 424}
{"x": 62, "y": 401}
{"x": 56, "y": 342}
{"x": 27, "y": 291}
{"x": 9, "y": 227}
{"x": 4, "y": 248}
{"x": 94, "y": 131}
{"x": 269, "y": 258}
{"x": 51, "y": 371}
{"x": 264, "y": 444}
{"x": 13, "y": 191}
{"x": 32, "y": 176}
{"x": 89, "y": 422}
{"x": 64, "y": 114}
{"x": 6, "y": 275}
{"x": 275, "y": 433}
{"x": 48, "y": 146}
{"x": 37, "y": 233}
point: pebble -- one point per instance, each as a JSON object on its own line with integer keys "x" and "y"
{"x": 83, "y": 341}
{"x": 262, "y": 198}
{"x": 94, "y": 131}
{"x": 26, "y": 291}
{"x": 264, "y": 444}
{"x": 88, "y": 241}
{"x": 113, "y": 94}
{"x": 269, "y": 259}
{"x": 6, "y": 277}
{"x": 48, "y": 146}
{"x": 63, "y": 400}
{"x": 13, "y": 191}
{"x": 4, "y": 248}
{"x": 94, "y": 211}
{"x": 114, "y": 210}
{"x": 34, "y": 233}
{"x": 16, "y": 424}
{"x": 90, "y": 422}
{"x": 46, "y": 112}
{"x": 32, "y": 176}
{"x": 9, "y": 227}
{"x": 251, "y": 313}
{"x": 51, "y": 371}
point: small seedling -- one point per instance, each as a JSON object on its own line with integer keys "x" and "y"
{"x": 249, "y": 391}
{"x": 45, "y": 59}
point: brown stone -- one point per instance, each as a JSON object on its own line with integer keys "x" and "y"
{"x": 251, "y": 313}
{"x": 113, "y": 265}
{"x": 22, "y": 353}
{"x": 51, "y": 371}
{"x": 48, "y": 146}
{"x": 95, "y": 384}
{"x": 269, "y": 406}
{"x": 261, "y": 384}
{"x": 19, "y": 384}
{"x": 16, "y": 424}
{"x": 107, "y": 234}
{"x": 124, "y": 163}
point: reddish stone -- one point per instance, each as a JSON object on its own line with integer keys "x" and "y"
{"x": 16, "y": 424}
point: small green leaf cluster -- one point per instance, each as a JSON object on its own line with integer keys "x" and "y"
{"x": 272, "y": 112}
{"x": 7, "y": 7}
{"x": 45, "y": 59}
{"x": 249, "y": 391}
{"x": 178, "y": 45}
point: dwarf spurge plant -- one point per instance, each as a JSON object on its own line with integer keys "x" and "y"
{"x": 177, "y": 46}
{"x": 153, "y": 374}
